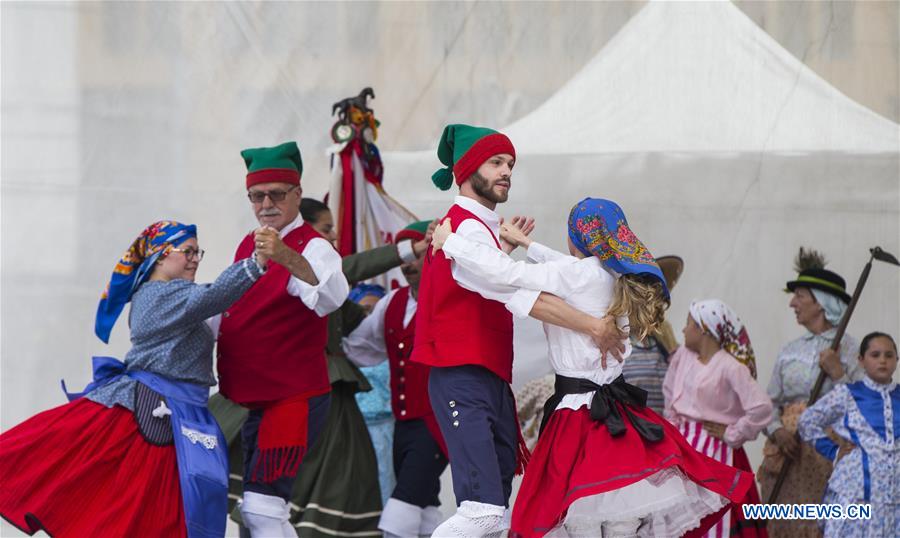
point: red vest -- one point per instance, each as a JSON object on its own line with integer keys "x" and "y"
{"x": 271, "y": 346}
{"x": 457, "y": 326}
{"x": 409, "y": 380}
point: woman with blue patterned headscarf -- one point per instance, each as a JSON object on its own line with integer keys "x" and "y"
{"x": 137, "y": 452}
{"x": 605, "y": 463}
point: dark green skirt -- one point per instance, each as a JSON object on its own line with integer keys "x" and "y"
{"x": 337, "y": 484}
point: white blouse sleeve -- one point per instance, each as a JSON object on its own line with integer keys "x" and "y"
{"x": 365, "y": 346}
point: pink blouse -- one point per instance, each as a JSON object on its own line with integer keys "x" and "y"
{"x": 721, "y": 390}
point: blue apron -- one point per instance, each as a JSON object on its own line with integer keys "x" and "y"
{"x": 200, "y": 447}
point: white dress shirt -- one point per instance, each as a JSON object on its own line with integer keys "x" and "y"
{"x": 583, "y": 283}
{"x": 365, "y": 346}
{"x": 474, "y": 281}
{"x": 332, "y": 290}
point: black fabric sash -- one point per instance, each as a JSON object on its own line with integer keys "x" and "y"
{"x": 603, "y": 405}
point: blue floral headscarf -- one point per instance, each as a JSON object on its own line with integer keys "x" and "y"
{"x": 598, "y": 227}
{"x": 135, "y": 267}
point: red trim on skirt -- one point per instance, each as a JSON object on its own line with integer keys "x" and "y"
{"x": 740, "y": 526}
{"x": 576, "y": 457}
{"x": 83, "y": 469}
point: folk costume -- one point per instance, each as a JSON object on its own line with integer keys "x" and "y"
{"x": 464, "y": 333}
{"x": 867, "y": 414}
{"x": 386, "y": 336}
{"x": 137, "y": 453}
{"x": 724, "y": 391}
{"x": 795, "y": 372}
{"x": 337, "y": 486}
{"x": 271, "y": 354}
{"x": 605, "y": 464}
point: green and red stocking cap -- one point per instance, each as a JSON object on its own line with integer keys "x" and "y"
{"x": 415, "y": 231}
{"x": 279, "y": 164}
{"x": 463, "y": 149}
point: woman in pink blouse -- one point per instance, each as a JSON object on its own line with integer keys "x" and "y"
{"x": 712, "y": 396}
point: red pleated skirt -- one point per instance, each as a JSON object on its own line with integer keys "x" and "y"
{"x": 576, "y": 457}
{"x": 83, "y": 469}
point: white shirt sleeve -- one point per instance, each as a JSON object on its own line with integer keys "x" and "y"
{"x": 471, "y": 278}
{"x": 365, "y": 346}
{"x": 331, "y": 291}
{"x": 539, "y": 253}
{"x": 562, "y": 277}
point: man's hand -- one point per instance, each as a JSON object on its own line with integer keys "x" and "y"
{"x": 270, "y": 246}
{"x": 608, "y": 337}
{"x": 787, "y": 442}
{"x": 714, "y": 429}
{"x": 440, "y": 235}
{"x": 524, "y": 225}
{"x": 830, "y": 361}
{"x": 421, "y": 247}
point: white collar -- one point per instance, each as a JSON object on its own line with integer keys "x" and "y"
{"x": 879, "y": 387}
{"x": 296, "y": 223}
{"x": 491, "y": 218}
{"x": 827, "y": 335}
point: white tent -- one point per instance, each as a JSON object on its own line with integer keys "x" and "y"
{"x": 722, "y": 148}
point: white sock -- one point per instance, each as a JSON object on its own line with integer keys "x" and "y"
{"x": 264, "y": 515}
{"x": 431, "y": 518}
{"x": 472, "y": 520}
{"x": 400, "y": 519}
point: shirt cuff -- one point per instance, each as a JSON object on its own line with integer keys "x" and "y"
{"x": 733, "y": 436}
{"x": 522, "y": 302}
{"x": 406, "y": 252}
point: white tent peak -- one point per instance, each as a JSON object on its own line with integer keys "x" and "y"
{"x": 699, "y": 76}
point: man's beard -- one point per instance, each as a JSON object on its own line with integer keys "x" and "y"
{"x": 482, "y": 187}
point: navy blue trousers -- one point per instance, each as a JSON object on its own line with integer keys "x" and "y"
{"x": 476, "y": 412}
{"x": 318, "y": 412}
{"x": 418, "y": 464}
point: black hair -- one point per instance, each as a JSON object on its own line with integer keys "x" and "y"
{"x": 310, "y": 209}
{"x": 864, "y": 346}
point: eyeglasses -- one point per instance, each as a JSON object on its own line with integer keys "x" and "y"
{"x": 257, "y": 197}
{"x": 190, "y": 253}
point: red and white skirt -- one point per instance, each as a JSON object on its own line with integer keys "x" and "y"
{"x": 580, "y": 478}
{"x": 83, "y": 469}
{"x": 732, "y": 522}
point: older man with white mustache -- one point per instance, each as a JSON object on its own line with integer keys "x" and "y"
{"x": 271, "y": 355}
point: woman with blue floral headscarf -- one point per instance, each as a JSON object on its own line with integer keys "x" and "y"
{"x": 137, "y": 453}
{"x": 605, "y": 464}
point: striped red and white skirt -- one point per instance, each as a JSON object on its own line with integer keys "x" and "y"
{"x": 733, "y": 523}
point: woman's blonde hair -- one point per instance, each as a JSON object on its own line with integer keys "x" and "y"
{"x": 643, "y": 301}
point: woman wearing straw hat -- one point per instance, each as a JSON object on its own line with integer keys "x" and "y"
{"x": 819, "y": 299}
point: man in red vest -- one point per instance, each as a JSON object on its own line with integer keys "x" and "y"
{"x": 271, "y": 354}
{"x": 465, "y": 333}
{"x": 419, "y": 450}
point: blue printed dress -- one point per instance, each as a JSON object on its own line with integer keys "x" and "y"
{"x": 867, "y": 414}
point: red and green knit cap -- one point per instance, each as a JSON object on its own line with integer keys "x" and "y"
{"x": 464, "y": 149}
{"x": 279, "y": 164}
{"x": 415, "y": 231}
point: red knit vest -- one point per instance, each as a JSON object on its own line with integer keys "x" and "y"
{"x": 409, "y": 380}
{"x": 271, "y": 346}
{"x": 457, "y": 326}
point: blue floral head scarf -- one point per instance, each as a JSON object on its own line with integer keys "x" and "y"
{"x": 135, "y": 267}
{"x": 598, "y": 227}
